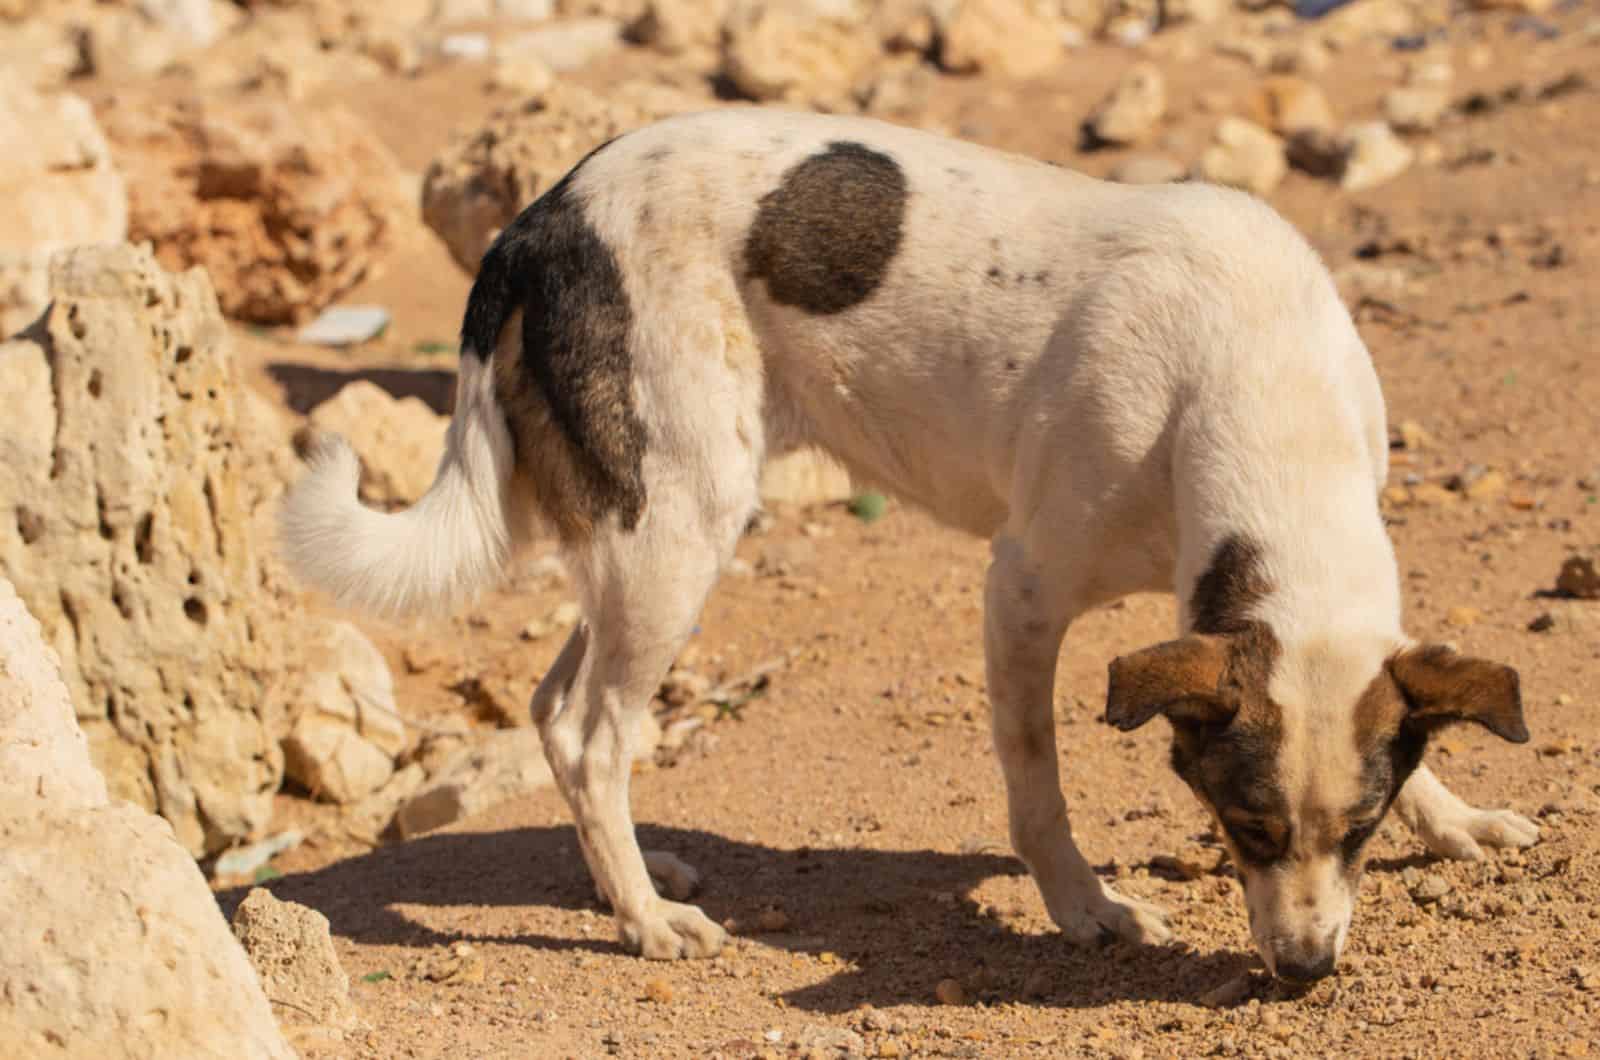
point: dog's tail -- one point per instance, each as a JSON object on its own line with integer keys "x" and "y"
{"x": 446, "y": 549}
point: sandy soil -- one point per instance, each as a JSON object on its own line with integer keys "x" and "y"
{"x": 858, "y": 795}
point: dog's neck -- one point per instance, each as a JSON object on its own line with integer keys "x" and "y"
{"x": 1314, "y": 566}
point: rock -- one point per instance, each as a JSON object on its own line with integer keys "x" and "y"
{"x": 466, "y": 47}
{"x": 35, "y": 53}
{"x": 658, "y": 990}
{"x": 795, "y": 51}
{"x": 346, "y": 325}
{"x": 1578, "y": 578}
{"x": 1244, "y": 155}
{"x": 1291, "y": 105}
{"x": 1415, "y": 109}
{"x": 1147, "y": 169}
{"x": 524, "y": 75}
{"x": 1316, "y": 153}
{"x": 108, "y": 919}
{"x": 347, "y": 730}
{"x": 506, "y": 764}
{"x": 1133, "y": 109}
{"x": 565, "y": 46}
{"x": 830, "y": 1041}
{"x": 1462, "y": 616}
{"x": 1374, "y": 155}
{"x": 998, "y": 37}
{"x": 1228, "y": 993}
{"x": 1429, "y": 888}
{"x": 1487, "y": 486}
{"x": 773, "y": 920}
{"x": 674, "y": 27}
{"x": 804, "y": 477}
{"x": 1433, "y": 495}
{"x": 286, "y": 209}
{"x": 1177, "y": 12}
{"x": 143, "y": 561}
{"x": 372, "y": 816}
{"x": 485, "y": 178}
{"x": 58, "y": 188}
{"x": 399, "y": 440}
{"x": 292, "y": 952}
{"x": 950, "y": 992}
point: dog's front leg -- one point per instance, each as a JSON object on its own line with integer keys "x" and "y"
{"x": 1025, "y": 617}
{"x": 1450, "y": 828}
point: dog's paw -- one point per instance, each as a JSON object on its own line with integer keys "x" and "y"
{"x": 673, "y": 930}
{"x": 1109, "y": 915}
{"x": 673, "y": 877}
{"x": 1463, "y": 836}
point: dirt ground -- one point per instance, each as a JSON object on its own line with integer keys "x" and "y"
{"x": 858, "y": 795}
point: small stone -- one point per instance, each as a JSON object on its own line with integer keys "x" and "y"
{"x": 1375, "y": 155}
{"x": 658, "y": 990}
{"x": 890, "y": 1047}
{"x": 1430, "y": 888}
{"x": 1317, "y": 153}
{"x": 525, "y": 75}
{"x": 1227, "y": 994}
{"x": 1415, "y": 109}
{"x": 1579, "y": 578}
{"x": 1133, "y": 109}
{"x": 1414, "y": 436}
{"x": 950, "y": 992}
{"x": 1542, "y": 623}
{"x": 1244, "y": 155}
{"x": 1486, "y": 486}
{"x": 1431, "y": 495}
{"x": 1463, "y": 616}
{"x": 1289, "y": 105}
{"x": 773, "y": 920}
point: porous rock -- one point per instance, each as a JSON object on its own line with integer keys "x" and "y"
{"x": 346, "y": 730}
{"x": 796, "y": 51}
{"x": 487, "y": 176}
{"x": 1000, "y": 37}
{"x": 108, "y": 920}
{"x": 1133, "y": 109}
{"x": 291, "y": 949}
{"x": 1244, "y": 155}
{"x": 142, "y": 560}
{"x": 285, "y": 208}
{"x": 58, "y": 188}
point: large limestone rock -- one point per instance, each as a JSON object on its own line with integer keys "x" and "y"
{"x": 291, "y": 949}
{"x": 114, "y": 946}
{"x": 485, "y": 178}
{"x": 797, "y": 51}
{"x": 58, "y": 188}
{"x": 133, "y": 475}
{"x": 287, "y": 209}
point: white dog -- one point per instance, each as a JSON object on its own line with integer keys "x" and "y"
{"x": 1126, "y": 388}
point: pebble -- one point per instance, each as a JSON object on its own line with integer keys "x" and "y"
{"x": 1579, "y": 578}
{"x": 658, "y": 990}
{"x": 1244, "y": 155}
{"x": 773, "y": 920}
{"x": 1228, "y": 993}
{"x": 950, "y": 992}
{"x": 1133, "y": 109}
{"x": 1429, "y": 888}
{"x": 1288, "y": 105}
{"x": 1462, "y": 616}
{"x": 1415, "y": 109}
{"x": 1375, "y": 155}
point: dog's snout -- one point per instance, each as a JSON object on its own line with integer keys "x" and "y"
{"x": 1305, "y": 965}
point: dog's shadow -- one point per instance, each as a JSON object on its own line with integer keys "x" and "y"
{"x": 898, "y": 920}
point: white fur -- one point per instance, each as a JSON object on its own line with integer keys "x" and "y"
{"x": 442, "y": 551}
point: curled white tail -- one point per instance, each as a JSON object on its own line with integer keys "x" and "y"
{"x": 447, "y": 548}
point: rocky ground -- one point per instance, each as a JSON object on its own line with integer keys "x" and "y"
{"x": 822, "y": 755}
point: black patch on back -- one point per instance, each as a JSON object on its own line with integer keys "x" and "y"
{"x": 823, "y": 239}
{"x": 551, "y": 264}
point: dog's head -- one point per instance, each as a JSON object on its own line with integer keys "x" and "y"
{"x": 1299, "y": 749}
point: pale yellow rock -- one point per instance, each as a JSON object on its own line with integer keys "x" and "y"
{"x": 796, "y": 51}
{"x": 1244, "y": 155}
{"x": 999, "y": 37}
{"x": 399, "y": 440}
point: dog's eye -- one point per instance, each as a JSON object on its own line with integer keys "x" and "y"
{"x": 1254, "y": 840}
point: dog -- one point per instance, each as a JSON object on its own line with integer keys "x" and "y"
{"x": 1125, "y": 388}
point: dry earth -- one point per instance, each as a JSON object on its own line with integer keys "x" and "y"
{"x": 857, "y": 796}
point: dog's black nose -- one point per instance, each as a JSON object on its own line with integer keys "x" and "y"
{"x": 1305, "y": 970}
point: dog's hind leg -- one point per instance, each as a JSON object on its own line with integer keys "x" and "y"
{"x": 641, "y": 592}
{"x": 1027, "y": 608}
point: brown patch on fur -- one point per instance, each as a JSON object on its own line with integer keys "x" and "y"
{"x": 1230, "y": 587}
{"x": 824, "y": 238}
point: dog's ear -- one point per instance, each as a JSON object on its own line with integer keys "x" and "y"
{"x": 1179, "y": 678}
{"x": 1441, "y": 687}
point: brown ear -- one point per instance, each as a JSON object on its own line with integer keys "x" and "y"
{"x": 1179, "y": 679}
{"x": 1441, "y": 687}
